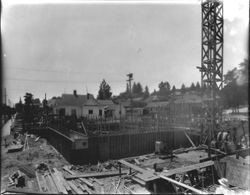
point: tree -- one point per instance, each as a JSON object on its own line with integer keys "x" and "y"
{"x": 139, "y": 89}
{"x": 183, "y": 88}
{"x": 146, "y": 92}
{"x": 28, "y": 107}
{"x": 192, "y": 87}
{"x": 164, "y": 89}
{"x": 173, "y": 89}
{"x": 104, "y": 91}
{"x": 198, "y": 87}
{"x": 235, "y": 91}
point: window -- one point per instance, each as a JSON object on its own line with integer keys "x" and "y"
{"x": 90, "y": 111}
{"x": 73, "y": 112}
{"x": 100, "y": 112}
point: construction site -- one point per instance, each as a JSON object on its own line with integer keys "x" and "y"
{"x": 183, "y": 149}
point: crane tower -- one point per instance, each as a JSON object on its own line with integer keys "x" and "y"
{"x": 212, "y": 59}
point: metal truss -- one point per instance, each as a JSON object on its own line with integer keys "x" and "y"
{"x": 212, "y": 61}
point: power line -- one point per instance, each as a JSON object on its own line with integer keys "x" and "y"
{"x": 61, "y": 71}
{"x": 56, "y": 81}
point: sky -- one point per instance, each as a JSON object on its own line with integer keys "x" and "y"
{"x": 62, "y": 46}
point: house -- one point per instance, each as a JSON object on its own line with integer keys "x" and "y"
{"x": 92, "y": 109}
{"x": 85, "y": 106}
{"x": 70, "y": 104}
{"x": 115, "y": 110}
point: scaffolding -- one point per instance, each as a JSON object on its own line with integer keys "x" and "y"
{"x": 212, "y": 60}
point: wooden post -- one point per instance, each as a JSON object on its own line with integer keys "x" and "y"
{"x": 120, "y": 169}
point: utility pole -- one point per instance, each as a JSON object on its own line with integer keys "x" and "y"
{"x": 130, "y": 78}
{"x": 5, "y": 96}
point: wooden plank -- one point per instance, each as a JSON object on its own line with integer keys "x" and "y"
{"x": 82, "y": 188}
{"x": 182, "y": 185}
{"x": 23, "y": 191}
{"x": 87, "y": 189}
{"x": 187, "y": 168}
{"x": 86, "y": 182}
{"x": 59, "y": 182}
{"x": 147, "y": 177}
{"x": 68, "y": 170}
{"x": 189, "y": 139}
{"x": 38, "y": 182}
{"x": 58, "y": 187}
{"x": 66, "y": 185}
{"x": 81, "y": 179}
{"x": 73, "y": 187}
{"x": 101, "y": 174}
{"x": 52, "y": 183}
{"x": 132, "y": 166}
{"x": 29, "y": 171}
{"x": 98, "y": 181}
{"x": 44, "y": 184}
{"x": 143, "y": 183}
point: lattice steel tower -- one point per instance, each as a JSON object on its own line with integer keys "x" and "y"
{"x": 212, "y": 56}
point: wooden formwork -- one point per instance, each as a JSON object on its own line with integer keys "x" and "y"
{"x": 125, "y": 145}
{"x": 101, "y": 148}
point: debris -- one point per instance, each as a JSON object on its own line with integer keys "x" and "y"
{"x": 42, "y": 167}
{"x": 102, "y": 174}
{"x": 15, "y": 148}
{"x": 37, "y": 139}
{"x": 22, "y": 191}
{"x": 136, "y": 161}
{"x": 29, "y": 171}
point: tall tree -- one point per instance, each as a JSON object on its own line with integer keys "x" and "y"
{"x": 173, "y": 89}
{"x": 197, "y": 87}
{"x": 28, "y": 107}
{"x": 164, "y": 89}
{"x": 235, "y": 91}
{"x": 139, "y": 89}
{"x": 183, "y": 88}
{"x": 134, "y": 88}
{"x": 104, "y": 91}
{"x": 192, "y": 87}
{"x": 146, "y": 92}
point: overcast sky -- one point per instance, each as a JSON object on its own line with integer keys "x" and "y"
{"x": 56, "y": 48}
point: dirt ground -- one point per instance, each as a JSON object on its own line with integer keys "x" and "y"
{"x": 38, "y": 152}
{"x": 42, "y": 152}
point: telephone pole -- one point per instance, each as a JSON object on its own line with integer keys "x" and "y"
{"x": 130, "y": 78}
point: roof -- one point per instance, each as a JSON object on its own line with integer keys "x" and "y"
{"x": 157, "y": 104}
{"x": 91, "y": 102}
{"x": 72, "y": 100}
{"x": 105, "y": 102}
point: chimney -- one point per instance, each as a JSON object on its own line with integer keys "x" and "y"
{"x": 75, "y": 93}
{"x": 88, "y": 95}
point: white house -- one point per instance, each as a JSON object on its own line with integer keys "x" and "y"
{"x": 70, "y": 104}
{"x": 85, "y": 106}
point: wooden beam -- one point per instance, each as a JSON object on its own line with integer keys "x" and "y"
{"x": 101, "y": 174}
{"x": 133, "y": 166}
{"x": 192, "y": 143}
{"x": 182, "y": 185}
{"x": 187, "y": 168}
{"x": 23, "y": 191}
